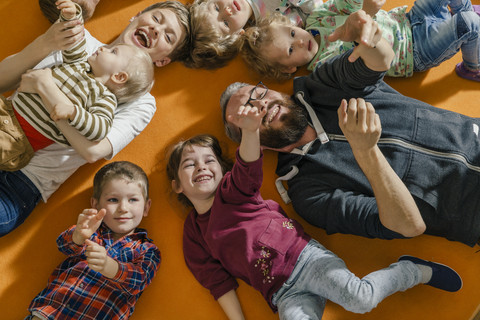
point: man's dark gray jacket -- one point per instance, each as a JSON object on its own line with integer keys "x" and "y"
{"x": 435, "y": 152}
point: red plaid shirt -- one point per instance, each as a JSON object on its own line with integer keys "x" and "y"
{"x": 74, "y": 291}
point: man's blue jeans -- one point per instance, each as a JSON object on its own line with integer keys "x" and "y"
{"x": 438, "y": 33}
{"x": 18, "y": 198}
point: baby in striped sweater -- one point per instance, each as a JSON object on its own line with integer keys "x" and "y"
{"x": 83, "y": 90}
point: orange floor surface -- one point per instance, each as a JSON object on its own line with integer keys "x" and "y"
{"x": 187, "y": 104}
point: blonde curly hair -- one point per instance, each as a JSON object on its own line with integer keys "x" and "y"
{"x": 210, "y": 49}
{"x": 253, "y": 43}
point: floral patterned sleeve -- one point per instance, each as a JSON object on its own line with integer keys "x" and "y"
{"x": 334, "y": 9}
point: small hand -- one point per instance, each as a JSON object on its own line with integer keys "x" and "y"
{"x": 67, "y": 8}
{"x": 359, "y": 123}
{"x": 359, "y": 27}
{"x": 62, "y": 112}
{"x": 371, "y": 7}
{"x": 248, "y": 118}
{"x": 87, "y": 223}
{"x": 98, "y": 259}
{"x": 96, "y": 255}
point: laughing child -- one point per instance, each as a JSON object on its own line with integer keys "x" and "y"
{"x": 218, "y": 24}
{"x": 232, "y": 232}
{"x": 431, "y": 32}
{"x": 109, "y": 261}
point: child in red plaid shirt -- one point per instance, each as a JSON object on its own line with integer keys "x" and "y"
{"x": 110, "y": 261}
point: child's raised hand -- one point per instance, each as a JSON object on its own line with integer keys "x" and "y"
{"x": 248, "y": 118}
{"x": 359, "y": 27}
{"x": 67, "y": 8}
{"x": 98, "y": 259}
{"x": 371, "y": 7}
{"x": 87, "y": 223}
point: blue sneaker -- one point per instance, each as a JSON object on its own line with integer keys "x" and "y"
{"x": 443, "y": 277}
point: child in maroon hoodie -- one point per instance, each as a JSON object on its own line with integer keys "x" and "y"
{"x": 232, "y": 232}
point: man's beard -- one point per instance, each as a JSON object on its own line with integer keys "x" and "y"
{"x": 294, "y": 125}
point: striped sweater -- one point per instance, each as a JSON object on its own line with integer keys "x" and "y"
{"x": 93, "y": 101}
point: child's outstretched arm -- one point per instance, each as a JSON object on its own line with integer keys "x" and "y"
{"x": 375, "y": 51}
{"x": 249, "y": 120}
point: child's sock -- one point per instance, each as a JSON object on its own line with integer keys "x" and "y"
{"x": 466, "y": 73}
{"x": 426, "y": 272}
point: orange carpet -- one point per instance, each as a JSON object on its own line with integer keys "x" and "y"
{"x": 187, "y": 104}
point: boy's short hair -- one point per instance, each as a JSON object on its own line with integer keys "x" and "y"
{"x": 175, "y": 156}
{"x": 125, "y": 170}
{"x": 253, "y": 41}
{"x": 141, "y": 76}
{"x": 210, "y": 49}
{"x": 182, "y": 51}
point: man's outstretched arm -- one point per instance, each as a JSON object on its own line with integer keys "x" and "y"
{"x": 362, "y": 128}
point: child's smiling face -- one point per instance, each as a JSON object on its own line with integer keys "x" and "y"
{"x": 230, "y": 16}
{"x": 125, "y": 204}
{"x": 291, "y": 47}
{"x": 199, "y": 175}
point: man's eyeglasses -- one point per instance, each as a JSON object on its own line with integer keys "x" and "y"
{"x": 258, "y": 93}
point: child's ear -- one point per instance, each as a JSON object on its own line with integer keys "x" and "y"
{"x": 119, "y": 77}
{"x": 289, "y": 69}
{"x": 148, "y": 203}
{"x": 241, "y": 31}
{"x": 93, "y": 202}
{"x": 176, "y": 187}
{"x": 162, "y": 62}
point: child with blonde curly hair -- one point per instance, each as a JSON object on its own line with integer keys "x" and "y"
{"x": 430, "y": 33}
{"x": 218, "y": 24}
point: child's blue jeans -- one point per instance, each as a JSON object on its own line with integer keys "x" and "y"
{"x": 18, "y": 198}
{"x": 320, "y": 275}
{"x": 438, "y": 34}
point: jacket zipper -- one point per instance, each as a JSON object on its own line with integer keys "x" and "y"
{"x": 402, "y": 143}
